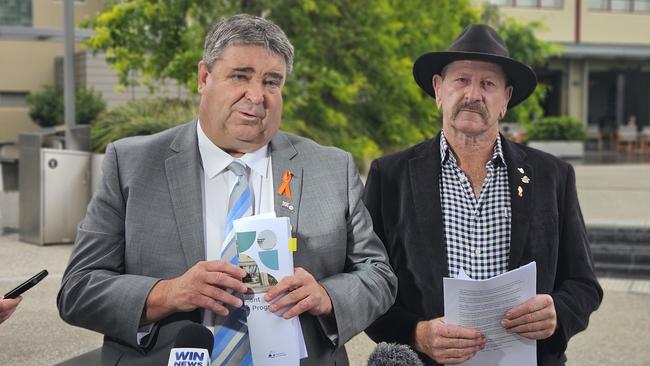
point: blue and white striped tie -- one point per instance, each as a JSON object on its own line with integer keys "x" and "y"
{"x": 231, "y": 345}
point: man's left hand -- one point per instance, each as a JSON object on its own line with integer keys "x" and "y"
{"x": 534, "y": 319}
{"x": 303, "y": 293}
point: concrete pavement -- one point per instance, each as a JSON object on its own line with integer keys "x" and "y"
{"x": 615, "y": 195}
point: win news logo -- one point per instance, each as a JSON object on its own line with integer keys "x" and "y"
{"x": 189, "y": 357}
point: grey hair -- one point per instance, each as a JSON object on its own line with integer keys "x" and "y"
{"x": 244, "y": 29}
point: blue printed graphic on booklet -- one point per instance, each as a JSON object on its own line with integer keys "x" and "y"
{"x": 263, "y": 252}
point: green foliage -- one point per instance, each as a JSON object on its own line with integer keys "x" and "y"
{"x": 563, "y": 128}
{"x": 153, "y": 39}
{"x": 352, "y": 84}
{"x": 46, "y": 108}
{"x": 140, "y": 117}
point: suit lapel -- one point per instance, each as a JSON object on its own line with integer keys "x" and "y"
{"x": 183, "y": 170}
{"x": 431, "y": 255}
{"x": 520, "y": 203}
{"x": 284, "y": 157}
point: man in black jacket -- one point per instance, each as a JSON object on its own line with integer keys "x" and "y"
{"x": 471, "y": 200}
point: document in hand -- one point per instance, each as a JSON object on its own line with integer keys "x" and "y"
{"x": 263, "y": 252}
{"x": 483, "y": 304}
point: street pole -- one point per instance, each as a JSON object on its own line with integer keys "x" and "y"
{"x": 71, "y": 141}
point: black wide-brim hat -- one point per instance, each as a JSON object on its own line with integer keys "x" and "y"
{"x": 477, "y": 42}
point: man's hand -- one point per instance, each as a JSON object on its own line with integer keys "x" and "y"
{"x": 445, "y": 343}
{"x": 303, "y": 292}
{"x": 7, "y": 307}
{"x": 206, "y": 285}
{"x": 534, "y": 319}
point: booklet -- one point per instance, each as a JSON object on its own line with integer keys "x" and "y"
{"x": 263, "y": 252}
{"x": 482, "y": 304}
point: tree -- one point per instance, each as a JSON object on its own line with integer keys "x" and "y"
{"x": 352, "y": 84}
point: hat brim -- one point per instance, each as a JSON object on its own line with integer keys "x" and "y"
{"x": 520, "y": 76}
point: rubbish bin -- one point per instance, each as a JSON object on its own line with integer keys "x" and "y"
{"x": 54, "y": 188}
{"x": 8, "y": 187}
{"x": 8, "y": 166}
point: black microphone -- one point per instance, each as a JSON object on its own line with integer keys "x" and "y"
{"x": 391, "y": 354}
{"x": 192, "y": 346}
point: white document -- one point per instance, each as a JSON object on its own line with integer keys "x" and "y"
{"x": 482, "y": 304}
{"x": 263, "y": 252}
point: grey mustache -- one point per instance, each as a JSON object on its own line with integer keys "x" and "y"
{"x": 474, "y": 106}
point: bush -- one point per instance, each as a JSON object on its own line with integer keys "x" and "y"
{"x": 563, "y": 128}
{"x": 46, "y": 107}
{"x": 139, "y": 117}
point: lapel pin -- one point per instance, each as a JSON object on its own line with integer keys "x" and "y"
{"x": 287, "y": 205}
{"x": 284, "y": 187}
{"x": 521, "y": 170}
{"x": 520, "y": 191}
{"x": 525, "y": 179}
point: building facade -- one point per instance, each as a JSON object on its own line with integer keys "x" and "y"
{"x": 602, "y": 74}
{"x": 30, "y": 41}
{"x": 31, "y": 56}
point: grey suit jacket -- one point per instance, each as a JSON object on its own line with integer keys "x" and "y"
{"x": 145, "y": 223}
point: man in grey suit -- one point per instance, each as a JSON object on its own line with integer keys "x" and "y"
{"x": 144, "y": 261}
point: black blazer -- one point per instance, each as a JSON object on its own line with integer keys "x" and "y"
{"x": 402, "y": 194}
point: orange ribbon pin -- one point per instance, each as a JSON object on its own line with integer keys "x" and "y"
{"x": 284, "y": 187}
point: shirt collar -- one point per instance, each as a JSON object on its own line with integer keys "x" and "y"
{"x": 215, "y": 160}
{"x": 445, "y": 151}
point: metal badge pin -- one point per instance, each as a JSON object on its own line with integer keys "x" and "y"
{"x": 525, "y": 179}
{"x": 287, "y": 205}
{"x": 520, "y": 191}
{"x": 521, "y": 170}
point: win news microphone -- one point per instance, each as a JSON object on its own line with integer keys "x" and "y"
{"x": 391, "y": 354}
{"x": 192, "y": 347}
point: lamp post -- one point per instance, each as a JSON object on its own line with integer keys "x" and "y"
{"x": 71, "y": 140}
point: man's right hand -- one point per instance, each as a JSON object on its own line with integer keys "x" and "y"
{"x": 206, "y": 285}
{"x": 445, "y": 343}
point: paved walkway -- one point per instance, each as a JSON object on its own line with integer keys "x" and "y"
{"x": 616, "y": 195}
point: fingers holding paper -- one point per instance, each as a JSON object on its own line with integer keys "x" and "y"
{"x": 208, "y": 285}
{"x": 446, "y": 343}
{"x": 534, "y": 319}
{"x": 303, "y": 294}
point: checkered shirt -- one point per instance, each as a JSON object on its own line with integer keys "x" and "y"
{"x": 477, "y": 231}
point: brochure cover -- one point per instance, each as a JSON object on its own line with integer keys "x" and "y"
{"x": 263, "y": 252}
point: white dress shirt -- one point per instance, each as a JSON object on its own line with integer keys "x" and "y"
{"x": 218, "y": 182}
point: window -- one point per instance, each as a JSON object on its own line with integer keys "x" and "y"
{"x": 598, "y": 4}
{"x": 641, "y": 6}
{"x": 637, "y": 6}
{"x": 552, "y": 4}
{"x": 620, "y": 5}
{"x": 16, "y": 13}
{"x": 13, "y": 99}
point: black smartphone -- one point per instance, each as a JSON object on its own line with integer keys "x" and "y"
{"x": 26, "y": 285}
